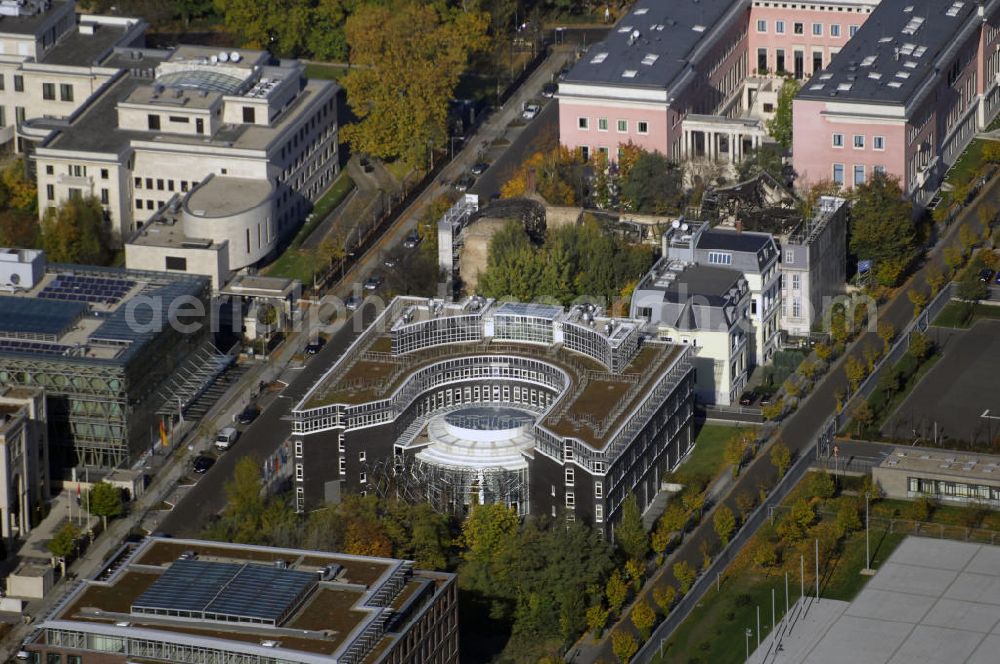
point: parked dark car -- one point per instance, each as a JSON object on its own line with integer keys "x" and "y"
{"x": 986, "y": 275}
{"x": 314, "y": 346}
{"x": 202, "y": 464}
{"x": 549, "y": 89}
{"x": 479, "y": 168}
{"x": 353, "y": 302}
{"x": 412, "y": 240}
{"x": 248, "y": 415}
{"x": 390, "y": 261}
{"x": 465, "y": 182}
{"x": 748, "y": 398}
{"x": 373, "y": 282}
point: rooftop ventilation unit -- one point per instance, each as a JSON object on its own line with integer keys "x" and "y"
{"x": 599, "y": 58}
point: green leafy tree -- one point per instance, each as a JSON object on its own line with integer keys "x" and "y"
{"x": 954, "y": 257}
{"x": 277, "y": 25}
{"x": 734, "y": 453}
{"x": 63, "y": 543}
{"x": 630, "y": 534}
{"x": 856, "y": 371}
{"x": 794, "y": 525}
{"x": 489, "y": 535}
{"x": 244, "y": 504}
{"x": 75, "y": 232}
{"x": 920, "y": 346}
{"x": 664, "y": 596}
{"x": 724, "y": 522}
{"x": 882, "y": 226}
{"x": 673, "y": 519}
{"x": 764, "y": 556}
{"x": 597, "y": 619}
{"x": 624, "y": 645}
{"x": 886, "y": 332}
{"x": 847, "y": 519}
{"x": 967, "y": 236}
{"x": 935, "y": 278}
{"x": 821, "y": 485}
{"x": 406, "y": 60}
{"x": 643, "y": 617}
{"x": 18, "y": 228}
{"x": 745, "y": 502}
{"x": 616, "y": 591}
{"x": 654, "y": 185}
{"x": 773, "y": 410}
{"x": 105, "y": 500}
{"x": 780, "y": 126}
{"x": 765, "y": 159}
{"x": 781, "y": 458}
{"x": 970, "y": 287}
{"x": 685, "y": 575}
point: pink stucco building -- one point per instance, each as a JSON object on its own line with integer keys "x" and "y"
{"x": 667, "y": 63}
{"x": 905, "y": 95}
{"x": 893, "y": 85}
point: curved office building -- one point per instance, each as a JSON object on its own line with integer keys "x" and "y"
{"x": 551, "y": 412}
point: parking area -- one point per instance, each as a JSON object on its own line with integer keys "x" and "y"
{"x": 958, "y": 400}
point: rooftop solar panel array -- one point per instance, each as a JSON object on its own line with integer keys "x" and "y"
{"x": 25, "y": 316}
{"x": 228, "y": 592}
{"x": 33, "y": 347}
{"x": 85, "y": 288}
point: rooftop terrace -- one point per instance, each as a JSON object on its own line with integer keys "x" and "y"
{"x": 591, "y": 407}
{"x": 324, "y": 615}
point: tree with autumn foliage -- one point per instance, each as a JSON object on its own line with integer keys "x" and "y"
{"x": 406, "y": 58}
{"x": 557, "y": 175}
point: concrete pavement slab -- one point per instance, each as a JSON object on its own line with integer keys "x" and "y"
{"x": 912, "y": 579}
{"x": 887, "y": 605}
{"x": 936, "y": 645}
{"x": 940, "y": 554}
{"x": 854, "y": 640}
{"x": 975, "y": 588}
{"x": 968, "y": 616}
{"x": 987, "y": 652}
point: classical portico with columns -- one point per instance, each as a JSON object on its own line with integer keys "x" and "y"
{"x": 720, "y": 139}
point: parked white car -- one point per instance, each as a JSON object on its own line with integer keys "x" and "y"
{"x": 530, "y": 111}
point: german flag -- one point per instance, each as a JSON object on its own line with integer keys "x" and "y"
{"x": 163, "y": 434}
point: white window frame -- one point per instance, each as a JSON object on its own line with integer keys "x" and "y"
{"x": 619, "y": 124}
{"x": 835, "y": 29}
{"x": 570, "y": 500}
{"x": 878, "y": 143}
{"x": 817, "y": 30}
{"x": 833, "y": 170}
{"x": 599, "y": 122}
{"x": 570, "y": 476}
{"x": 853, "y": 30}
{"x": 363, "y": 478}
{"x": 300, "y": 472}
{"x": 762, "y": 26}
{"x": 854, "y": 175}
{"x": 598, "y": 489}
{"x": 789, "y": 255}
{"x": 583, "y": 124}
{"x": 298, "y": 449}
{"x": 858, "y": 141}
{"x": 779, "y": 27}
{"x": 362, "y": 456}
{"x": 639, "y": 127}
{"x": 598, "y": 513}
{"x": 837, "y": 136}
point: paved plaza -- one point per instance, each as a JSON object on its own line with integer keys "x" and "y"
{"x": 932, "y": 602}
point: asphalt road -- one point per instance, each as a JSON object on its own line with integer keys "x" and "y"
{"x": 269, "y": 430}
{"x": 258, "y": 440}
{"x": 521, "y": 146}
{"x": 798, "y": 432}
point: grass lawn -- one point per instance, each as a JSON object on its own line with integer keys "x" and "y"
{"x": 295, "y": 263}
{"x": 958, "y": 314}
{"x": 325, "y": 71}
{"x": 967, "y": 164}
{"x": 333, "y": 197}
{"x": 714, "y": 632}
{"x": 705, "y": 461}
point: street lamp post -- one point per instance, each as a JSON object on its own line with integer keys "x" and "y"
{"x": 747, "y": 633}
{"x": 867, "y": 571}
